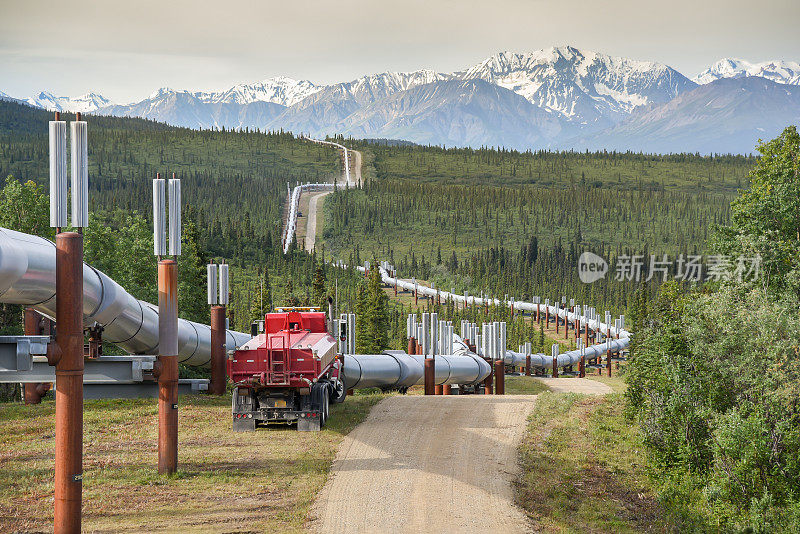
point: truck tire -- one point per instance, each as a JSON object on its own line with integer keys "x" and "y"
{"x": 319, "y": 400}
{"x": 326, "y": 404}
{"x": 338, "y": 391}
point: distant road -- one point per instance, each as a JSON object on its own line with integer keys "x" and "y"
{"x": 311, "y": 220}
{"x": 311, "y": 224}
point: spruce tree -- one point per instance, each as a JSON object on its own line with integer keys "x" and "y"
{"x": 318, "y": 287}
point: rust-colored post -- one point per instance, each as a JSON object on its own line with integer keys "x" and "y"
{"x": 167, "y": 367}
{"x": 69, "y": 383}
{"x": 555, "y": 366}
{"x": 558, "y": 307}
{"x": 527, "y": 365}
{"x": 34, "y": 391}
{"x": 499, "y": 377}
{"x": 218, "y": 334}
{"x": 430, "y": 377}
{"x": 412, "y": 345}
{"x": 447, "y": 389}
{"x": 608, "y": 362}
{"x": 582, "y": 366}
{"x": 438, "y": 389}
{"x": 537, "y": 312}
{"x": 546, "y": 318}
{"x": 489, "y": 380}
{"x": 566, "y": 324}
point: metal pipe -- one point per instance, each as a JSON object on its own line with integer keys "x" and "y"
{"x": 69, "y": 383}
{"x": 28, "y": 277}
{"x": 218, "y": 377}
{"x": 80, "y": 173}
{"x": 167, "y": 367}
{"x": 58, "y": 173}
{"x": 398, "y": 369}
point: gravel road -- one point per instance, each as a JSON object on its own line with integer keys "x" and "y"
{"x": 311, "y": 224}
{"x": 428, "y": 464}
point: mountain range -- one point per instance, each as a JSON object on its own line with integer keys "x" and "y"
{"x": 560, "y": 97}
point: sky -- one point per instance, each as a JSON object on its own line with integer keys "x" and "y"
{"x": 125, "y": 50}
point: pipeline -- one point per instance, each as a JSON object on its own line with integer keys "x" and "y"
{"x": 510, "y": 357}
{"x": 294, "y": 200}
{"x": 294, "y": 204}
{"x": 28, "y": 277}
{"x": 517, "y": 358}
{"x": 396, "y": 369}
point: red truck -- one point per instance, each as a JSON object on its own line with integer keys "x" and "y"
{"x": 287, "y": 374}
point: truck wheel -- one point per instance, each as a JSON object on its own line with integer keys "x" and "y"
{"x": 338, "y": 392}
{"x": 319, "y": 400}
{"x": 326, "y": 404}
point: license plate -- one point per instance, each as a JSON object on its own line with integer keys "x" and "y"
{"x": 280, "y": 404}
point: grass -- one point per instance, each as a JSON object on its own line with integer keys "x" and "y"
{"x": 264, "y": 481}
{"x": 583, "y": 470}
{"x": 524, "y": 385}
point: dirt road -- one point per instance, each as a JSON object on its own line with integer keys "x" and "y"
{"x": 428, "y": 464}
{"x": 311, "y": 225}
{"x": 576, "y": 385}
{"x": 355, "y": 166}
{"x": 311, "y": 219}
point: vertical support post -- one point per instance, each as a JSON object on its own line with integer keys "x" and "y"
{"x": 547, "y": 314}
{"x": 447, "y": 389}
{"x": 558, "y": 309}
{"x": 527, "y": 365}
{"x": 488, "y": 381}
{"x": 34, "y": 391}
{"x": 167, "y": 367}
{"x": 499, "y": 377}
{"x": 586, "y": 319}
{"x": 69, "y": 383}
{"x": 430, "y": 376}
{"x": 218, "y": 335}
{"x": 554, "y": 352}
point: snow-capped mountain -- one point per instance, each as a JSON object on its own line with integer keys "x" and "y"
{"x": 183, "y": 108}
{"x": 84, "y": 103}
{"x": 786, "y": 72}
{"x": 376, "y": 86}
{"x": 324, "y": 110}
{"x": 279, "y": 90}
{"x": 582, "y": 86}
{"x": 457, "y": 113}
{"x": 560, "y": 97}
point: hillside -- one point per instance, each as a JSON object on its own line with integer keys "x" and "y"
{"x": 510, "y": 222}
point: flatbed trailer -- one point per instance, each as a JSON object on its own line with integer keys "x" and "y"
{"x": 288, "y": 374}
